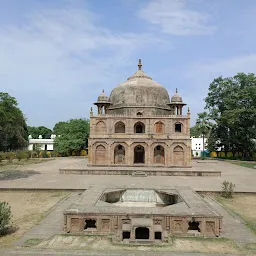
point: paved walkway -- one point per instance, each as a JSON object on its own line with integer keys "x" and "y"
{"x": 49, "y": 177}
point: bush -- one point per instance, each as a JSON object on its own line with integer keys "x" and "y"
{"x": 5, "y": 217}
{"x": 83, "y": 152}
{"x": 54, "y": 153}
{"x": 28, "y": 154}
{"x": 34, "y": 154}
{"x": 21, "y": 155}
{"x": 227, "y": 189}
{"x": 43, "y": 154}
{"x": 2, "y": 156}
{"x": 49, "y": 155}
{"x": 10, "y": 156}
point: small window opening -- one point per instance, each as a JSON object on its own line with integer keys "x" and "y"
{"x": 90, "y": 224}
{"x": 158, "y": 235}
{"x": 126, "y": 235}
{"x": 177, "y": 127}
{"x": 139, "y": 114}
{"x": 158, "y": 147}
{"x": 120, "y": 147}
{"x": 139, "y": 128}
{"x": 194, "y": 225}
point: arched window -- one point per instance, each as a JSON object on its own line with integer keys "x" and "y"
{"x": 159, "y": 155}
{"x": 139, "y": 155}
{"x": 178, "y": 127}
{"x": 120, "y": 127}
{"x": 139, "y": 114}
{"x": 119, "y": 154}
{"x": 101, "y": 127}
{"x": 100, "y": 155}
{"x": 178, "y": 156}
{"x": 159, "y": 128}
{"x": 139, "y": 127}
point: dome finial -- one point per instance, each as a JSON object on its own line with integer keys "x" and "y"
{"x": 176, "y": 90}
{"x": 103, "y": 91}
{"x": 139, "y": 64}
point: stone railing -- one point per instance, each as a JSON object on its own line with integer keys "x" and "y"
{"x": 135, "y": 116}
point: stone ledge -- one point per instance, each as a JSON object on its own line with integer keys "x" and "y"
{"x": 133, "y": 172}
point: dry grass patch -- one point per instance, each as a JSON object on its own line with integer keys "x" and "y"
{"x": 15, "y": 164}
{"x": 28, "y": 208}
{"x": 244, "y": 206}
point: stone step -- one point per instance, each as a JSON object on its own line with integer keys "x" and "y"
{"x": 139, "y": 174}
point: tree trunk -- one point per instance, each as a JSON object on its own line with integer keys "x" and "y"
{"x": 203, "y": 145}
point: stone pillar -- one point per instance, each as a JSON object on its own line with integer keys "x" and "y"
{"x": 109, "y": 153}
{"x": 68, "y": 224}
{"x": 151, "y": 234}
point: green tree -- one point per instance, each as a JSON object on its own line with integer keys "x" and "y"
{"x": 72, "y": 136}
{"x": 195, "y": 132}
{"x": 203, "y": 125}
{"x": 60, "y": 128}
{"x": 231, "y": 103}
{"x": 40, "y": 130}
{"x": 13, "y": 128}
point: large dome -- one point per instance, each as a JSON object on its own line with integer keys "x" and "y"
{"x": 139, "y": 90}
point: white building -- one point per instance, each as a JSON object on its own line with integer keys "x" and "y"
{"x": 197, "y": 146}
{"x": 40, "y": 143}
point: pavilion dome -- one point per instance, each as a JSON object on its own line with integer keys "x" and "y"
{"x": 102, "y": 97}
{"x": 176, "y": 98}
{"x": 139, "y": 90}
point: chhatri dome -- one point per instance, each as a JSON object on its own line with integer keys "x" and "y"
{"x": 176, "y": 98}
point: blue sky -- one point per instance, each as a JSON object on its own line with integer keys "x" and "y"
{"x": 56, "y": 56}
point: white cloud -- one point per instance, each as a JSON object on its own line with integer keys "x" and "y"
{"x": 63, "y": 48}
{"x": 176, "y": 18}
{"x": 63, "y": 58}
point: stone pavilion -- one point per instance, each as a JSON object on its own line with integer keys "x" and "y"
{"x": 138, "y": 125}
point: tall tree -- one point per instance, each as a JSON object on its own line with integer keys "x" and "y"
{"x": 231, "y": 103}
{"x": 71, "y": 136}
{"x": 204, "y": 125}
{"x": 40, "y": 130}
{"x": 195, "y": 132}
{"x": 13, "y": 128}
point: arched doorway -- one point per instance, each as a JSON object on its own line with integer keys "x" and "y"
{"x": 139, "y": 127}
{"x": 139, "y": 155}
{"x": 120, "y": 127}
{"x": 100, "y": 155}
{"x": 159, "y": 155}
{"x": 178, "y": 156}
{"x": 142, "y": 233}
{"x": 119, "y": 154}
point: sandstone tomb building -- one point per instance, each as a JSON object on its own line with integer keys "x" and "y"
{"x": 138, "y": 125}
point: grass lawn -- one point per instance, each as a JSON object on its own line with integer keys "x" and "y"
{"x": 243, "y": 163}
{"x": 6, "y": 165}
{"x": 27, "y": 208}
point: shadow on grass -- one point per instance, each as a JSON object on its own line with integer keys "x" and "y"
{"x": 16, "y": 174}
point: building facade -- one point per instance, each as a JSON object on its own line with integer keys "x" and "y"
{"x": 197, "y": 146}
{"x": 138, "y": 125}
